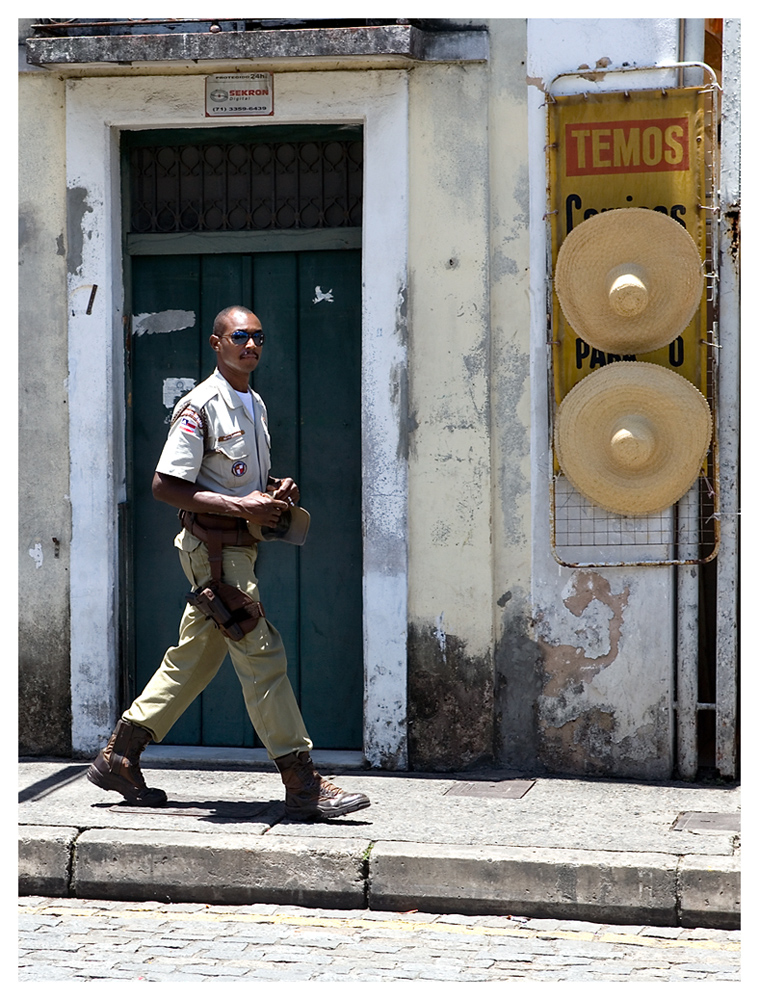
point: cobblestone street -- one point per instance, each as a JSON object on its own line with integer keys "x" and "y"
{"x": 75, "y": 939}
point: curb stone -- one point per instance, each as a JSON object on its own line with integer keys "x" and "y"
{"x": 235, "y": 869}
{"x": 44, "y": 859}
{"x": 596, "y": 886}
{"x": 231, "y": 868}
{"x": 710, "y": 892}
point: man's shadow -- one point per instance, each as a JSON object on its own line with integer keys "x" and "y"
{"x": 219, "y": 811}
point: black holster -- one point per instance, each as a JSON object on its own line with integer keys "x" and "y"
{"x": 232, "y": 611}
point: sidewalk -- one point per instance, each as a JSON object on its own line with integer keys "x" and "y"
{"x": 620, "y": 852}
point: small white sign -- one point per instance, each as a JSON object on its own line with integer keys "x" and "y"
{"x": 234, "y": 94}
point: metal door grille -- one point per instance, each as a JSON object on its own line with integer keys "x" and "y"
{"x": 215, "y": 186}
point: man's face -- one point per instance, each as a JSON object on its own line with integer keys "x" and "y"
{"x": 241, "y": 358}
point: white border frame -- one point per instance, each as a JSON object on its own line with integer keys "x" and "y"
{"x": 96, "y": 110}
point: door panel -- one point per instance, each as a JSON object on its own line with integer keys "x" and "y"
{"x": 327, "y": 439}
{"x": 160, "y": 284}
{"x": 331, "y": 573}
{"x": 310, "y": 381}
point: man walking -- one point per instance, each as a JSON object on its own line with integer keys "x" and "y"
{"x": 215, "y": 469}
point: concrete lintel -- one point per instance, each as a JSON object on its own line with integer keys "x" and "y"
{"x": 326, "y": 43}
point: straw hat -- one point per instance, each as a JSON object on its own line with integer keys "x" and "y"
{"x": 631, "y": 437}
{"x": 292, "y": 527}
{"x": 629, "y": 280}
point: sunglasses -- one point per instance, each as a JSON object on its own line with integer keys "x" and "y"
{"x": 242, "y": 337}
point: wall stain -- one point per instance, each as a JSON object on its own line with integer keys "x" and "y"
{"x": 580, "y": 745}
{"x": 732, "y": 217}
{"x": 517, "y": 687}
{"x": 450, "y": 702}
{"x": 399, "y": 380}
{"x": 27, "y": 226}
{"x": 77, "y": 206}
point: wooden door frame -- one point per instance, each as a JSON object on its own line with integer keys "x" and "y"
{"x": 97, "y": 110}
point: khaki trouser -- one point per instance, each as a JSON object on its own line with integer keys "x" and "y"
{"x": 258, "y": 658}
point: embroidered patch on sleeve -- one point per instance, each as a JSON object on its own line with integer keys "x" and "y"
{"x": 190, "y": 422}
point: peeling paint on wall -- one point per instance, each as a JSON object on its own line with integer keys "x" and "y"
{"x": 601, "y": 63}
{"x": 595, "y": 637}
{"x": 37, "y": 555}
{"x": 167, "y": 321}
{"x": 439, "y": 633}
{"x": 594, "y": 717}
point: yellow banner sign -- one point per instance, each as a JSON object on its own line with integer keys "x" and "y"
{"x": 641, "y": 149}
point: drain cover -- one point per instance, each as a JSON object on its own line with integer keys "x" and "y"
{"x": 512, "y": 789}
{"x": 719, "y": 822}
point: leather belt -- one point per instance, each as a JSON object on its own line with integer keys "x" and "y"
{"x": 216, "y": 530}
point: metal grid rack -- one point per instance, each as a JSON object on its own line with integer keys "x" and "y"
{"x": 584, "y": 535}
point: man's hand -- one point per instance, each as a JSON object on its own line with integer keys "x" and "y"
{"x": 283, "y": 489}
{"x": 261, "y": 508}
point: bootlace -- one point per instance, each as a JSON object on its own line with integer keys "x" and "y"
{"x": 328, "y": 788}
{"x": 312, "y": 778}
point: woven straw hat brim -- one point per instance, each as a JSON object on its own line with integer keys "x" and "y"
{"x": 665, "y": 411}
{"x": 297, "y": 525}
{"x": 650, "y": 241}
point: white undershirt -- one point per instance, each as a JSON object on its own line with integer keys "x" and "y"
{"x": 247, "y": 400}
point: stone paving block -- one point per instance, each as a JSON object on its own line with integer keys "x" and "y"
{"x": 600, "y": 886}
{"x": 177, "y": 866}
{"x": 710, "y": 892}
{"x": 45, "y": 973}
{"x": 661, "y": 932}
{"x": 44, "y": 859}
{"x": 211, "y": 970}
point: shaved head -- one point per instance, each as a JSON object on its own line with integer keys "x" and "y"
{"x": 220, "y": 322}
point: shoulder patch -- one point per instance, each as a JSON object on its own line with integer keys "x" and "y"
{"x": 191, "y": 421}
{"x": 189, "y": 411}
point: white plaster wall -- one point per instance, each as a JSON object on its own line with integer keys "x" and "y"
{"x": 44, "y": 516}
{"x": 516, "y": 659}
{"x": 96, "y": 109}
{"x": 450, "y": 548}
{"x": 596, "y": 714}
{"x": 449, "y": 356}
{"x": 469, "y": 355}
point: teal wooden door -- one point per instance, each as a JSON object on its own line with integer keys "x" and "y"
{"x": 309, "y": 303}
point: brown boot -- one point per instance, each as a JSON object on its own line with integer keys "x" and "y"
{"x": 309, "y": 796}
{"x": 117, "y": 767}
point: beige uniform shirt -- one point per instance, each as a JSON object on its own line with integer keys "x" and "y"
{"x": 214, "y": 443}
